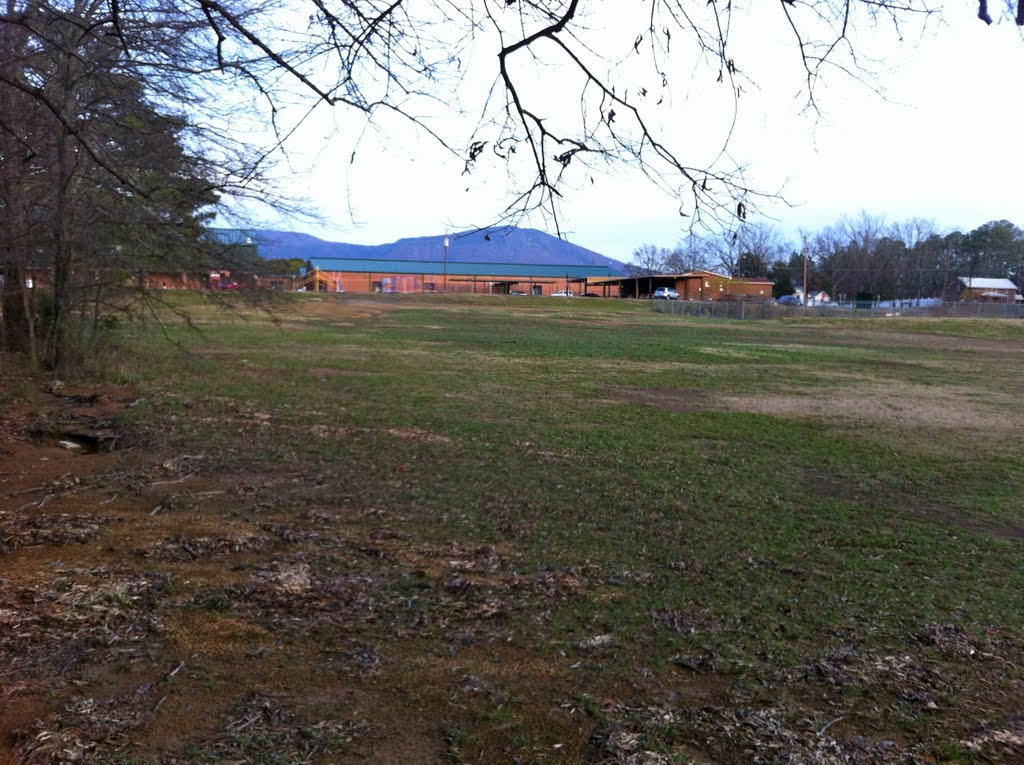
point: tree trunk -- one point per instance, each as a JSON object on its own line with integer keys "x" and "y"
{"x": 58, "y": 332}
{"x": 19, "y": 333}
{"x": 18, "y": 324}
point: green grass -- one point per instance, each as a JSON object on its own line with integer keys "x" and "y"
{"x": 518, "y": 411}
{"x": 597, "y": 437}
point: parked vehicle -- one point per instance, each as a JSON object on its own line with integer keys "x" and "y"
{"x": 562, "y": 293}
{"x": 665, "y": 293}
{"x": 790, "y": 300}
{"x": 517, "y": 292}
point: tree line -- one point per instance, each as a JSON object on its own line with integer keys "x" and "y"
{"x": 854, "y": 257}
{"x": 108, "y": 167}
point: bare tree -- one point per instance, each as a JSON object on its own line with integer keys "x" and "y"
{"x": 749, "y": 250}
{"x": 860, "y": 258}
{"x": 649, "y": 259}
{"x": 690, "y": 254}
{"x": 917, "y": 273}
{"x": 825, "y": 252}
{"x": 722, "y": 251}
{"x": 617, "y": 72}
{"x": 759, "y": 246}
{"x": 914, "y": 231}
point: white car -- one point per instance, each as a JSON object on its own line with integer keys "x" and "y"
{"x": 562, "y": 293}
{"x": 666, "y": 293}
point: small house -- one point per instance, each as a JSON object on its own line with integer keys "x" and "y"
{"x": 984, "y": 290}
{"x": 814, "y": 297}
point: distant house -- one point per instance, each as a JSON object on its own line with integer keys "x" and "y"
{"x": 983, "y": 290}
{"x": 814, "y": 297}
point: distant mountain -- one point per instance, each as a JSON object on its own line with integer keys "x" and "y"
{"x": 513, "y": 245}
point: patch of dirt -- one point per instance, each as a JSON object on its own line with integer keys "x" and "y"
{"x": 672, "y": 400}
{"x": 328, "y": 372}
{"x": 546, "y": 454}
{"x": 725, "y": 352}
{"x": 414, "y": 434}
{"x": 949, "y": 517}
{"x": 829, "y": 487}
{"x": 944, "y": 342}
{"x": 902, "y": 404}
{"x": 336, "y": 307}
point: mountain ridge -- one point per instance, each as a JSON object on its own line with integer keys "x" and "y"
{"x": 512, "y": 245}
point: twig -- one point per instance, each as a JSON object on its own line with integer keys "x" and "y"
{"x": 176, "y": 480}
{"x": 37, "y": 503}
{"x": 243, "y": 724}
{"x": 828, "y": 725}
{"x": 48, "y": 497}
{"x": 20, "y": 492}
{"x": 156, "y": 510}
{"x": 176, "y": 670}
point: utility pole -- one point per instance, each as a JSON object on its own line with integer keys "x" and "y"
{"x": 446, "y": 262}
{"x": 806, "y": 290}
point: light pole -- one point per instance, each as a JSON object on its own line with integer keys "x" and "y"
{"x": 446, "y": 262}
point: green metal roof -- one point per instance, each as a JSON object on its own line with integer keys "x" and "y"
{"x": 434, "y": 267}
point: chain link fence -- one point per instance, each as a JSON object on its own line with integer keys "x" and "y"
{"x": 751, "y": 310}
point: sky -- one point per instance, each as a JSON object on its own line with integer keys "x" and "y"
{"x": 940, "y": 141}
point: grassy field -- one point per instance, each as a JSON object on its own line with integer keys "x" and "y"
{"x": 538, "y": 531}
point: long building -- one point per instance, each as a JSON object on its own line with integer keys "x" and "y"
{"x": 405, "y": 276}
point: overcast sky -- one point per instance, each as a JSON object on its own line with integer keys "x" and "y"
{"x": 942, "y": 142}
